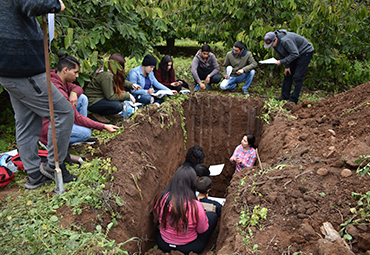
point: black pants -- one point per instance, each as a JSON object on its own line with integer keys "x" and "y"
{"x": 197, "y": 245}
{"x": 202, "y": 73}
{"x": 297, "y": 71}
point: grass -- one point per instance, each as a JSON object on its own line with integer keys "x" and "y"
{"x": 31, "y": 224}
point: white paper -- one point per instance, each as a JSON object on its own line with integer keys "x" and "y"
{"x": 216, "y": 169}
{"x": 184, "y": 91}
{"x": 229, "y": 69}
{"x": 268, "y": 61}
{"x": 218, "y": 199}
{"x": 162, "y": 93}
{"x": 51, "y": 27}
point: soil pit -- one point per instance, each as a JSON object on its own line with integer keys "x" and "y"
{"x": 307, "y": 164}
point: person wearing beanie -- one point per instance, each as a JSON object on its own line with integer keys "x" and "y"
{"x": 295, "y": 54}
{"x": 144, "y": 76}
{"x": 241, "y": 64}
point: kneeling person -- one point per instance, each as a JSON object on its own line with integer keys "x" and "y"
{"x": 243, "y": 64}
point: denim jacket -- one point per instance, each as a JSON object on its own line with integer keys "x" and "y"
{"x": 136, "y": 76}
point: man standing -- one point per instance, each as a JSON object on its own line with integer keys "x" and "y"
{"x": 205, "y": 67}
{"x": 242, "y": 64}
{"x": 62, "y": 78}
{"x": 295, "y": 54}
{"x": 22, "y": 74}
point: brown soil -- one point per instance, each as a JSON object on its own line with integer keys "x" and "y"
{"x": 320, "y": 137}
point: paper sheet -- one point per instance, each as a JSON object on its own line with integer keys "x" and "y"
{"x": 162, "y": 93}
{"x": 216, "y": 169}
{"x": 218, "y": 199}
{"x": 268, "y": 61}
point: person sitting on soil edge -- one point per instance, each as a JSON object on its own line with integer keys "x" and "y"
{"x": 62, "y": 78}
{"x": 144, "y": 76}
{"x": 242, "y": 63}
{"x": 194, "y": 156}
{"x": 295, "y": 54}
{"x": 106, "y": 91}
{"x": 165, "y": 74}
{"x": 183, "y": 223}
{"x": 22, "y": 74}
{"x": 204, "y": 185}
{"x": 245, "y": 154}
{"x": 205, "y": 67}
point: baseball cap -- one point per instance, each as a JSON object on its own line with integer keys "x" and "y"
{"x": 269, "y": 39}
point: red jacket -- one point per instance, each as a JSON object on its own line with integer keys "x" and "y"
{"x": 79, "y": 120}
{"x": 167, "y": 83}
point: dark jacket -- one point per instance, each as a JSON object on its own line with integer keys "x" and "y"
{"x": 291, "y": 46}
{"x": 21, "y": 39}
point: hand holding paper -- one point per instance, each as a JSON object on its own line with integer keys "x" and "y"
{"x": 268, "y": 61}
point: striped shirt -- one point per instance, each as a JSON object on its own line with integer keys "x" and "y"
{"x": 248, "y": 158}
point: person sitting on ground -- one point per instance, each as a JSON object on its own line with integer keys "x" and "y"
{"x": 205, "y": 67}
{"x": 242, "y": 63}
{"x": 143, "y": 75}
{"x": 183, "y": 223}
{"x": 106, "y": 91}
{"x": 245, "y": 154}
{"x": 165, "y": 74}
{"x": 194, "y": 156}
{"x": 204, "y": 185}
{"x": 62, "y": 78}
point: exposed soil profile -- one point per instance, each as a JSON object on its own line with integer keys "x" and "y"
{"x": 304, "y": 160}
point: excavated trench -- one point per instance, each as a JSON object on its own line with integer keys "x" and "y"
{"x": 148, "y": 153}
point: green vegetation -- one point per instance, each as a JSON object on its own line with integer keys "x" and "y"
{"x": 32, "y": 224}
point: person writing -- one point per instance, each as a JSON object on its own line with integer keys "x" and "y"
{"x": 245, "y": 154}
{"x": 204, "y": 185}
{"x": 242, "y": 63}
{"x": 183, "y": 223}
{"x": 165, "y": 74}
{"x": 205, "y": 67}
{"x": 144, "y": 76}
{"x": 106, "y": 91}
{"x": 62, "y": 78}
{"x": 295, "y": 54}
{"x": 23, "y": 76}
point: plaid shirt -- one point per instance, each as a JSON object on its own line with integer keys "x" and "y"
{"x": 248, "y": 158}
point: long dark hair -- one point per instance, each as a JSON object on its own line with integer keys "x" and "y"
{"x": 118, "y": 77}
{"x": 166, "y": 75}
{"x": 251, "y": 140}
{"x": 180, "y": 195}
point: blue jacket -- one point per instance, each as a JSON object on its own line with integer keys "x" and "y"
{"x": 21, "y": 39}
{"x": 136, "y": 76}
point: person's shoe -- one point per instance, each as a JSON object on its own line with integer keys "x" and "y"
{"x": 280, "y": 98}
{"x": 197, "y": 88}
{"x": 46, "y": 170}
{"x": 157, "y": 104}
{"x": 34, "y": 183}
{"x": 245, "y": 93}
{"x": 91, "y": 140}
{"x": 209, "y": 86}
{"x": 100, "y": 118}
{"x": 116, "y": 116}
{"x": 67, "y": 176}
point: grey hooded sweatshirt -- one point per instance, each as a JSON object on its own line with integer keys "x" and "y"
{"x": 291, "y": 46}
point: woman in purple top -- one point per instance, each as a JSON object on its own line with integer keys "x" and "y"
{"x": 245, "y": 154}
{"x": 183, "y": 223}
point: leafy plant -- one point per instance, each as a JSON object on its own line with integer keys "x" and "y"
{"x": 362, "y": 170}
{"x": 272, "y": 107}
{"x": 248, "y": 218}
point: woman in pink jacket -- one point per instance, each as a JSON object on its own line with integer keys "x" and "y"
{"x": 183, "y": 223}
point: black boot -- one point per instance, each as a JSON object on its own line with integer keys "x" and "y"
{"x": 67, "y": 176}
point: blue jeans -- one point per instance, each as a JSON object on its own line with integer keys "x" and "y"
{"x": 80, "y": 133}
{"x": 298, "y": 69}
{"x": 106, "y": 107}
{"x": 244, "y": 77}
{"x": 147, "y": 99}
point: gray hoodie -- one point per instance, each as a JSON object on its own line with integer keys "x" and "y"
{"x": 210, "y": 65}
{"x": 291, "y": 46}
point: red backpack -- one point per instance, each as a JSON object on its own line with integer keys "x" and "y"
{"x": 16, "y": 159}
{"x": 6, "y": 176}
